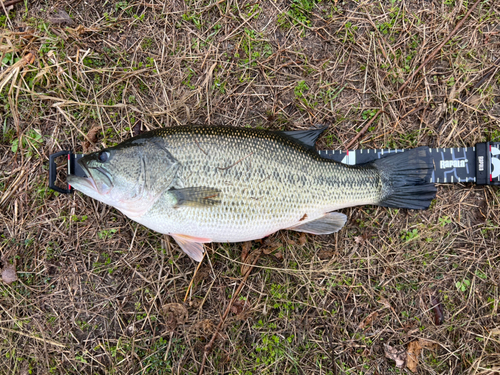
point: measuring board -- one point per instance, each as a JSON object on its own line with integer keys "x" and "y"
{"x": 479, "y": 164}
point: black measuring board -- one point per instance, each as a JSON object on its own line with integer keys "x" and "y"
{"x": 73, "y": 168}
{"x": 479, "y": 164}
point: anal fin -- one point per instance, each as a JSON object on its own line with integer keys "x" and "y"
{"x": 192, "y": 246}
{"x": 330, "y": 223}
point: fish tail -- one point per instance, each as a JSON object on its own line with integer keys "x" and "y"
{"x": 403, "y": 177}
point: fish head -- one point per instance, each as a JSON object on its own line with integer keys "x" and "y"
{"x": 120, "y": 177}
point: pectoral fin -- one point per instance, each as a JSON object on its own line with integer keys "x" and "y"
{"x": 196, "y": 196}
{"x": 192, "y": 246}
{"x": 330, "y": 223}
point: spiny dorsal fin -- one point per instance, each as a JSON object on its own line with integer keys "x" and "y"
{"x": 307, "y": 138}
{"x": 196, "y": 196}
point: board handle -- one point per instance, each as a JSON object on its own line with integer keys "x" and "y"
{"x": 488, "y": 163}
{"x": 73, "y": 168}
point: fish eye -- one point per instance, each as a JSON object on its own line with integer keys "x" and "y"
{"x": 103, "y": 156}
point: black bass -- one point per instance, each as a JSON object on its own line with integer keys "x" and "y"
{"x": 203, "y": 184}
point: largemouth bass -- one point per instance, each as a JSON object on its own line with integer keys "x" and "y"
{"x": 203, "y": 184}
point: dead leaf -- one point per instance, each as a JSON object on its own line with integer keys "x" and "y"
{"x": 495, "y": 331}
{"x": 413, "y": 351}
{"x": 79, "y": 30}
{"x": 427, "y": 344}
{"x": 368, "y": 320}
{"x": 437, "y": 308}
{"x": 325, "y": 254}
{"x": 302, "y": 239}
{"x": 237, "y": 307}
{"x": 271, "y": 247}
{"x": 92, "y": 136}
{"x": 247, "y": 246}
{"x": 279, "y": 255}
{"x": 131, "y": 329}
{"x": 359, "y": 239}
{"x": 175, "y": 314}
{"x": 250, "y": 260}
{"x": 136, "y": 130}
{"x": 385, "y": 302}
{"x": 9, "y": 274}
{"x": 93, "y": 133}
{"x": 61, "y": 18}
{"x": 204, "y": 327}
{"x": 398, "y": 356}
{"x": 474, "y": 100}
{"x": 202, "y": 274}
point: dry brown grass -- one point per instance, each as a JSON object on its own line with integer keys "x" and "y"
{"x": 98, "y": 293}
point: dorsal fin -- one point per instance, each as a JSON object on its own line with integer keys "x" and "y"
{"x": 307, "y": 138}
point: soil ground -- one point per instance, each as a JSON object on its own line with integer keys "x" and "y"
{"x": 395, "y": 291}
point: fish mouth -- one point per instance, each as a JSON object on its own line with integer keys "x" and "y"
{"x": 82, "y": 183}
{"x": 89, "y": 183}
{"x": 104, "y": 173}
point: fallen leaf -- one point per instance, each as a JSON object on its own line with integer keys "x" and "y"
{"x": 279, "y": 255}
{"x": 385, "y": 302}
{"x": 495, "y": 331}
{"x": 427, "y": 344}
{"x": 398, "y": 356}
{"x": 136, "y": 130}
{"x": 202, "y": 274}
{"x": 474, "y": 100}
{"x": 437, "y": 308}
{"x": 9, "y": 274}
{"x": 93, "y": 133}
{"x": 302, "y": 239}
{"x": 237, "y": 307}
{"x": 79, "y": 30}
{"x": 247, "y": 246}
{"x": 250, "y": 260}
{"x": 270, "y": 247}
{"x": 325, "y": 254}
{"x": 413, "y": 351}
{"x": 92, "y": 137}
{"x": 203, "y": 328}
{"x": 368, "y": 320}
{"x": 61, "y": 18}
{"x": 131, "y": 329}
{"x": 359, "y": 239}
{"x": 175, "y": 314}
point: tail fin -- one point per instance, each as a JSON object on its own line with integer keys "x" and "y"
{"x": 403, "y": 179}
